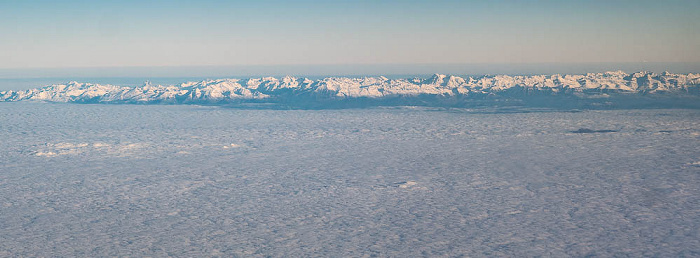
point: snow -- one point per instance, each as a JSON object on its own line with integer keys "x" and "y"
{"x": 290, "y": 89}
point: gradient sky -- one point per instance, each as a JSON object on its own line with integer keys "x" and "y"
{"x": 191, "y": 33}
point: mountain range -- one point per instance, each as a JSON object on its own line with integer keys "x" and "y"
{"x": 615, "y": 89}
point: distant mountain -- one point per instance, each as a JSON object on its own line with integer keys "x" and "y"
{"x": 593, "y": 90}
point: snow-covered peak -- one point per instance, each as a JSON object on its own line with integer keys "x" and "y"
{"x": 273, "y": 89}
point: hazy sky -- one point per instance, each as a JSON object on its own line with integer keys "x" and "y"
{"x": 191, "y": 33}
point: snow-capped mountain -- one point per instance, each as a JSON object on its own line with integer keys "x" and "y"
{"x": 437, "y": 88}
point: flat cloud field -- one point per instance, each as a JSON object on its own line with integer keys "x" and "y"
{"x": 185, "y": 180}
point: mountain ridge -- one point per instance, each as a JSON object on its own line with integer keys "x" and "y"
{"x": 594, "y": 89}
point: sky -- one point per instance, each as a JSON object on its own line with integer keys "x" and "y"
{"x": 88, "y": 34}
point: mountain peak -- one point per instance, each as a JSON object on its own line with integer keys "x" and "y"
{"x": 276, "y": 89}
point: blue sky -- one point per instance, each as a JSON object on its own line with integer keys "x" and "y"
{"x": 59, "y": 34}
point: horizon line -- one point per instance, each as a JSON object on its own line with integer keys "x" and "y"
{"x": 347, "y": 64}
